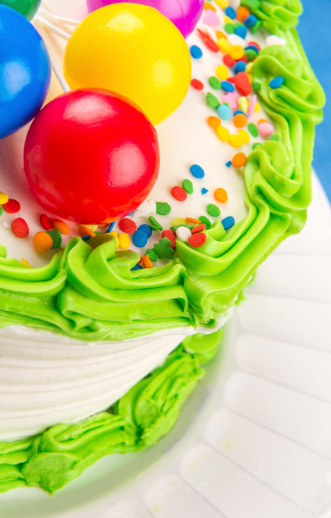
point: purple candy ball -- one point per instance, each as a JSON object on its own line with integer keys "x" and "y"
{"x": 185, "y": 14}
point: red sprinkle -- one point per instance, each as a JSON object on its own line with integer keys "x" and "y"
{"x": 197, "y": 240}
{"x": 20, "y": 227}
{"x": 254, "y": 43}
{"x": 228, "y": 61}
{"x": 179, "y": 193}
{"x": 170, "y": 234}
{"x": 45, "y": 222}
{"x": 231, "y": 79}
{"x": 12, "y": 206}
{"x": 242, "y": 84}
{"x": 208, "y": 41}
{"x": 127, "y": 225}
{"x": 197, "y": 84}
{"x": 198, "y": 228}
{"x": 243, "y": 58}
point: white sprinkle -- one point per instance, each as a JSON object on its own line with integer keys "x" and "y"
{"x": 235, "y": 4}
{"x": 274, "y": 40}
{"x": 147, "y": 208}
{"x": 183, "y": 233}
{"x": 234, "y": 39}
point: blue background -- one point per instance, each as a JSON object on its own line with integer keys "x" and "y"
{"x": 315, "y": 32}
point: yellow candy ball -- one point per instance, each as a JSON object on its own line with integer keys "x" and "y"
{"x": 133, "y": 50}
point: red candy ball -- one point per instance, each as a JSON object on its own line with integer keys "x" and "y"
{"x": 91, "y": 156}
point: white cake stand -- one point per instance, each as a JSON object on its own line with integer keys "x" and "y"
{"x": 254, "y": 440}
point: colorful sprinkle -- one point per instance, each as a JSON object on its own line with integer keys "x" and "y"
{"x": 214, "y": 83}
{"x": 228, "y": 164}
{"x": 85, "y": 231}
{"x": 193, "y": 220}
{"x": 188, "y": 186}
{"x": 20, "y": 227}
{"x": 252, "y": 128}
{"x": 239, "y": 160}
{"x": 213, "y": 210}
{"x": 240, "y": 120}
{"x": 163, "y": 208}
{"x": 170, "y": 234}
{"x": 196, "y": 52}
{"x": 183, "y": 233}
{"x": 124, "y": 241}
{"x": 151, "y": 254}
{"x": 204, "y": 190}
{"x": 139, "y": 239}
{"x": 3, "y": 198}
{"x": 250, "y": 20}
{"x": 236, "y": 52}
{"x": 205, "y": 221}
{"x": 197, "y": 171}
{"x": 228, "y": 222}
{"x": 42, "y": 242}
{"x": 198, "y": 85}
{"x": 213, "y": 122}
{"x": 145, "y": 228}
{"x": 242, "y": 84}
{"x": 179, "y": 193}
{"x": 276, "y": 82}
{"x": 223, "y": 134}
{"x": 163, "y": 249}
{"x": 210, "y": 18}
{"x": 198, "y": 228}
{"x": 12, "y": 206}
{"x": 110, "y": 227}
{"x": 221, "y": 195}
{"x": 25, "y": 263}
{"x": 197, "y": 240}
{"x": 127, "y": 225}
{"x": 265, "y": 129}
{"x": 212, "y": 101}
{"x": 227, "y": 86}
{"x": 136, "y": 267}
{"x": 222, "y": 72}
{"x": 61, "y": 226}
{"x": 154, "y": 223}
{"x": 224, "y": 111}
{"x": 147, "y": 263}
{"x": 231, "y": 13}
{"x": 240, "y": 66}
{"x": 56, "y": 238}
{"x": 242, "y": 13}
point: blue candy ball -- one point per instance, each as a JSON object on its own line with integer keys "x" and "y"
{"x": 25, "y": 71}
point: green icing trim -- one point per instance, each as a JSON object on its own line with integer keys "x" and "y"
{"x": 141, "y": 417}
{"x": 88, "y": 294}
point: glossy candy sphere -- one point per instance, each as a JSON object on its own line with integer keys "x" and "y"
{"x": 135, "y": 51}
{"x": 26, "y": 7}
{"x": 24, "y": 71}
{"x": 185, "y": 14}
{"x": 91, "y": 156}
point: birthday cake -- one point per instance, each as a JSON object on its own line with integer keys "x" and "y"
{"x": 106, "y": 318}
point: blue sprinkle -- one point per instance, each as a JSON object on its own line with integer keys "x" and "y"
{"x": 111, "y": 226}
{"x": 227, "y": 86}
{"x": 241, "y": 31}
{"x": 231, "y": 13}
{"x": 240, "y": 66}
{"x": 224, "y": 111}
{"x": 146, "y": 229}
{"x": 228, "y": 222}
{"x": 276, "y": 82}
{"x": 139, "y": 238}
{"x": 252, "y": 47}
{"x": 250, "y": 20}
{"x": 197, "y": 171}
{"x": 239, "y": 111}
{"x": 204, "y": 190}
{"x": 228, "y": 164}
{"x": 136, "y": 267}
{"x": 196, "y": 52}
{"x": 86, "y": 238}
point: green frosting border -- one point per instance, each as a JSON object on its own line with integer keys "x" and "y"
{"x": 87, "y": 294}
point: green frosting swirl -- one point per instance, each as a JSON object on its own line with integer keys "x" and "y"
{"x": 88, "y": 294}
{"x": 141, "y": 417}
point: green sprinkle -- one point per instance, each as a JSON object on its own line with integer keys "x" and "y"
{"x": 151, "y": 254}
{"x": 256, "y": 27}
{"x": 251, "y": 4}
{"x": 213, "y": 210}
{"x": 188, "y": 186}
{"x": 163, "y": 208}
{"x": 274, "y": 137}
{"x": 205, "y": 221}
{"x": 256, "y": 86}
{"x": 56, "y": 238}
{"x": 229, "y": 28}
{"x": 154, "y": 223}
{"x": 252, "y": 128}
{"x": 174, "y": 228}
{"x": 257, "y": 144}
{"x": 212, "y": 101}
{"x": 250, "y": 54}
{"x": 214, "y": 83}
{"x": 238, "y": 24}
{"x": 163, "y": 249}
{"x": 1, "y": 210}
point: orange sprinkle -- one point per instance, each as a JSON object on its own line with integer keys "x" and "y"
{"x": 221, "y": 195}
{"x": 239, "y": 160}
{"x": 209, "y": 6}
{"x": 85, "y": 231}
{"x": 213, "y": 122}
{"x": 242, "y": 14}
{"x": 193, "y": 220}
{"x": 263, "y": 120}
{"x": 147, "y": 263}
{"x": 239, "y": 120}
{"x": 42, "y": 242}
{"x": 61, "y": 226}
{"x": 103, "y": 225}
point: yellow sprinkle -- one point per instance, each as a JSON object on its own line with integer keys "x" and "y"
{"x": 223, "y": 45}
{"x": 178, "y": 221}
{"x": 244, "y": 136}
{"x": 249, "y": 67}
{"x": 237, "y": 52}
{"x": 257, "y": 107}
{"x": 235, "y": 141}
{"x": 113, "y": 233}
{"x": 91, "y": 227}
{"x": 223, "y": 133}
{"x": 222, "y": 72}
{"x": 25, "y": 263}
{"x": 250, "y": 78}
{"x": 3, "y": 198}
{"x": 243, "y": 104}
{"x": 222, "y": 3}
{"x": 228, "y": 20}
{"x": 124, "y": 241}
